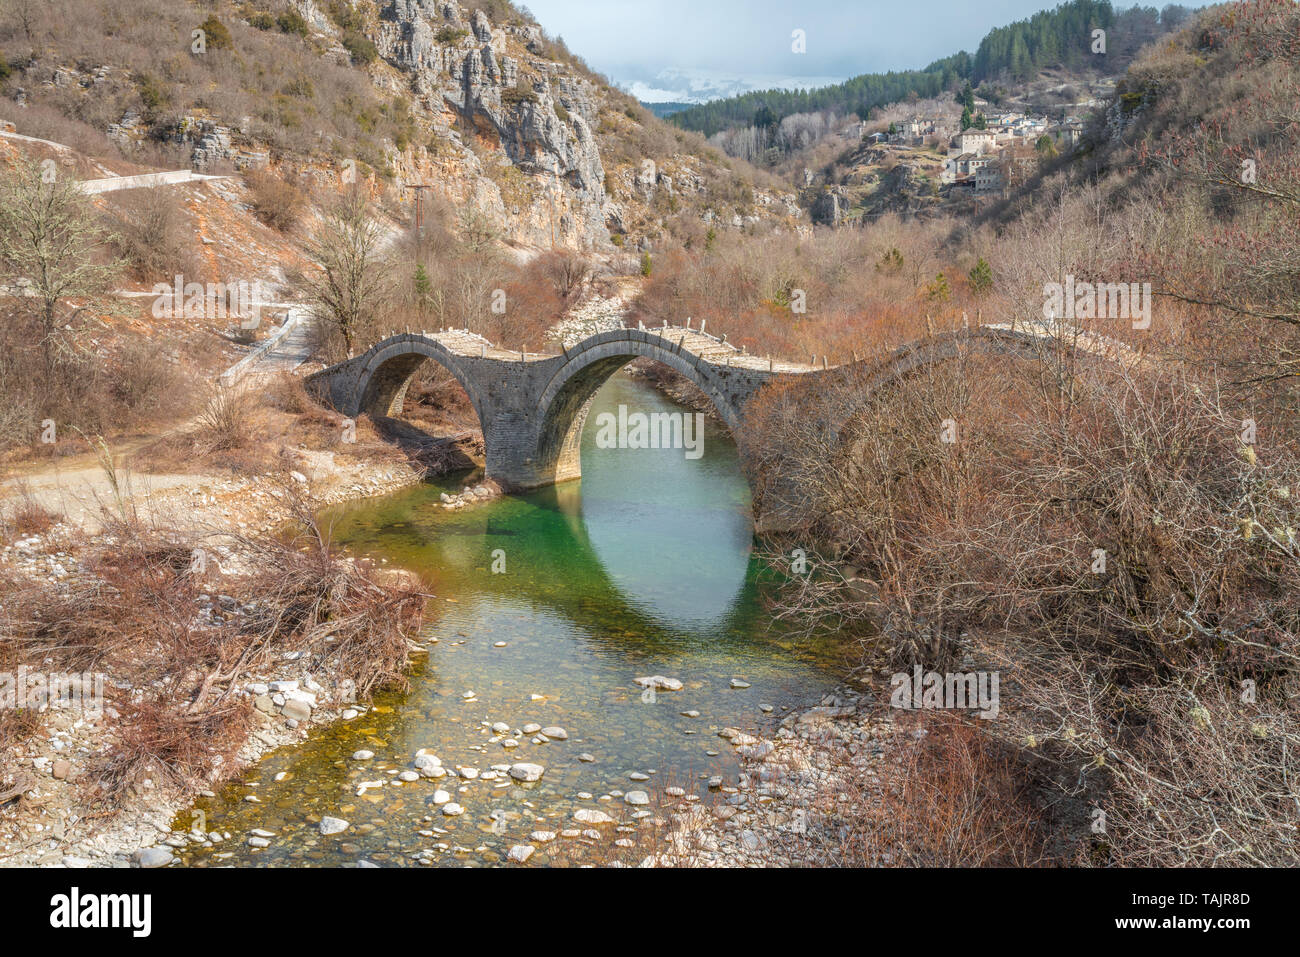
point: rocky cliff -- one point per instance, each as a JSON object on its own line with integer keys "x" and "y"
{"x": 517, "y": 125}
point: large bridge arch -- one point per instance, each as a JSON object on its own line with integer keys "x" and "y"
{"x": 782, "y": 502}
{"x": 567, "y": 396}
{"x": 1032, "y": 344}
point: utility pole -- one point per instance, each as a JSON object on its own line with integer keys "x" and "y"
{"x": 554, "y": 194}
{"x": 419, "y": 189}
{"x": 419, "y": 205}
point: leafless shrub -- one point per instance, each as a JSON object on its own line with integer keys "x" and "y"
{"x": 23, "y": 515}
{"x": 134, "y": 611}
{"x": 288, "y": 393}
{"x": 178, "y": 749}
{"x": 278, "y": 202}
{"x": 224, "y": 424}
{"x": 953, "y": 797}
{"x": 152, "y": 234}
{"x": 143, "y": 379}
{"x": 1102, "y": 534}
{"x": 331, "y": 606}
{"x": 567, "y": 272}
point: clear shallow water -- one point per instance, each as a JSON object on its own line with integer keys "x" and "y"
{"x": 644, "y": 567}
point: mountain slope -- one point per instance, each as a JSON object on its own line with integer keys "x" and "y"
{"x": 472, "y": 99}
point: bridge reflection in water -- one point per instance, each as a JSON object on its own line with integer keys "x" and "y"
{"x": 652, "y": 541}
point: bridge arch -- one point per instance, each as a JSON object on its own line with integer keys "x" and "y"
{"x": 566, "y": 397}
{"x": 387, "y": 369}
{"x": 782, "y": 503}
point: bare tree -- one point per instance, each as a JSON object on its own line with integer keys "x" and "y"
{"x": 567, "y": 271}
{"x": 25, "y": 14}
{"x": 51, "y": 241}
{"x": 352, "y": 279}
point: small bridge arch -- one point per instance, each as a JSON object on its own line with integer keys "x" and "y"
{"x": 390, "y": 366}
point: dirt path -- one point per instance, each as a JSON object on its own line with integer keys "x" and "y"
{"x": 81, "y": 491}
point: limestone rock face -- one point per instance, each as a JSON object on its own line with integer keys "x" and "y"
{"x": 548, "y": 175}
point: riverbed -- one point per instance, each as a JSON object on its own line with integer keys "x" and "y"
{"x": 547, "y": 607}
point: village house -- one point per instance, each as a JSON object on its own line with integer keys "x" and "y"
{"x": 1069, "y": 133}
{"x": 988, "y": 180}
{"x": 976, "y": 141}
{"x": 1016, "y": 164}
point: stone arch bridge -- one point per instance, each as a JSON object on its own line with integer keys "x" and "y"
{"x": 532, "y": 407}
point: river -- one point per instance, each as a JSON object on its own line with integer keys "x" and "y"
{"x": 547, "y": 607}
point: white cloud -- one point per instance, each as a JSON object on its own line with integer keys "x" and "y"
{"x": 700, "y": 86}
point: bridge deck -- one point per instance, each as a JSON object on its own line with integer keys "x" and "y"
{"x": 711, "y": 349}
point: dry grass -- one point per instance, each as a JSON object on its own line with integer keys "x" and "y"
{"x": 133, "y": 612}
{"x": 22, "y": 515}
{"x": 224, "y": 425}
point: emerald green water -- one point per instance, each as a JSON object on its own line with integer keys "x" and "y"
{"x": 644, "y": 567}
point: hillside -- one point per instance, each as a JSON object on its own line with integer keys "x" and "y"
{"x": 471, "y": 98}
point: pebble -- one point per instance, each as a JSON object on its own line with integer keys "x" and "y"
{"x": 429, "y": 765}
{"x": 333, "y": 825}
{"x": 521, "y": 853}
{"x": 527, "y": 772}
{"x": 660, "y": 682}
{"x": 153, "y": 857}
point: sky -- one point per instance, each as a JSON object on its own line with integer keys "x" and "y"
{"x": 699, "y": 49}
